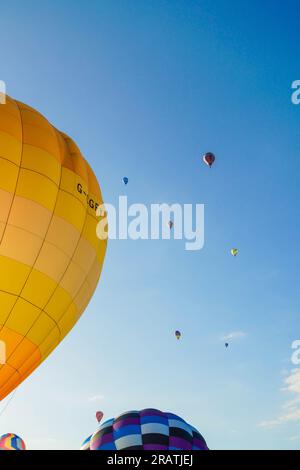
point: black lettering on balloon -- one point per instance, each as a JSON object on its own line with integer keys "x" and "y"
{"x": 90, "y": 202}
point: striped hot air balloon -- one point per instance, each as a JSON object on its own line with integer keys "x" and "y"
{"x": 11, "y": 442}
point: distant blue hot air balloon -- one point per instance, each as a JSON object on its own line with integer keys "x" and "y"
{"x": 125, "y": 180}
{"x": 11, "y": 441}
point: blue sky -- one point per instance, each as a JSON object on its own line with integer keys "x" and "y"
{"x": 145, "y": 88}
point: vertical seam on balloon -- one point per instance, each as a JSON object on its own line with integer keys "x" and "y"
{"x": 43, "y": 309}
{"x": 43, "y": 272}
{"x": 19, "y": 171}
{"x": 71, "y": 259}
{"x": 31, "y": 270}
{"x": 12, "y": 201}
{"x": 29, "y": 302}
{"x": 66, "y": 254}
{"x": 72, "y": 302}
{"x": 85, "y": 280}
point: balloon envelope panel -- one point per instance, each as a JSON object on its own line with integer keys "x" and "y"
{"x": 11, "y": 442}
{"x": 147, "y": 429}
{"x": 50, "y": 256}
{"x": 86, "y": 444}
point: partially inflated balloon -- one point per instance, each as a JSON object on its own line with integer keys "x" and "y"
{"x": 50, "y": 256}
{"x": 11, "y": 442}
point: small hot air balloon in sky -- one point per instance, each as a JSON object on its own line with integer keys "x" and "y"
{"x": 11, "y": 442}
{"x": 50, "y": 255}
{"x": 170, "y": 224}
{"x": 148, "y": 429}
{"x": 177, "y": 334}
{"x": 234, "y": 251}
{"x": 226, "y": 345}
{"x": 209, "y": 158}
{"x": 99, "y": 416}
{"x": 125, "y": 180}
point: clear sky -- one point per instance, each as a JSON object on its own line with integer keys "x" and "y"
{"x": 145, "y": 88}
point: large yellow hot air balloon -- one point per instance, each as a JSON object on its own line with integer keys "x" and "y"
{"x": 50, "y": 256}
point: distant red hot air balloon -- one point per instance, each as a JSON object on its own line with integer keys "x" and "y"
{"x": 99, "y": 416}
{"x": 209, "y": 158}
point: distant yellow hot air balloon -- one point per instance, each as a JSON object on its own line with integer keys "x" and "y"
{"x": 234, "y": 251}
{"x": 50, "y": 256}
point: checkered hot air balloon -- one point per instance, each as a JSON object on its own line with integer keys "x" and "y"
{"x": 11, "y": 442}
{"x": 148, "y": 429}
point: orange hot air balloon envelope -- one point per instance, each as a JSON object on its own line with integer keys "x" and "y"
{"x": 50, "y": 256}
